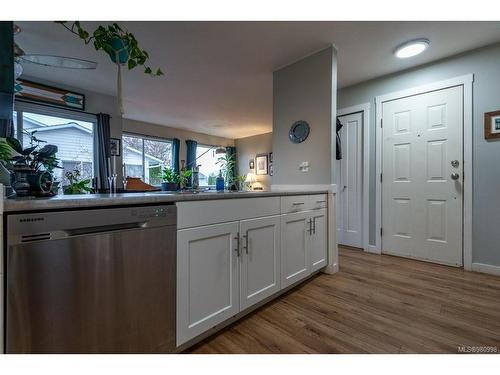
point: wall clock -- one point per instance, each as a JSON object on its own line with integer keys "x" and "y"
{"x": 299, "y": 131}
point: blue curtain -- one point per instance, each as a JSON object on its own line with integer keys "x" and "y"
{"x": 103, "y": 151}
{"x": 231, "y": 151}
{"x": 176, "y": 144}
{"x": 191, "y": 154}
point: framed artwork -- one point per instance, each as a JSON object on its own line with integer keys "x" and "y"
{"x": 114, "y": 147}
{"x": 251, "y": 164}
{"x": 492, "y": 125}
{"x": 261, "y": 162}
{"x": 271, "y": 170}
{"x": 38, "y": 93}
{"x": 270, "y": 157}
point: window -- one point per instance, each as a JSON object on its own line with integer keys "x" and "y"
{"x": 146, "y": 157}
{"x": 207, "y": 160}
{"x": 73, "y": 137}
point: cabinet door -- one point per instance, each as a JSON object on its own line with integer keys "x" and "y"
{"x": 207, "y": 278}
{"x": 260, "y": 259}
{"x": 318, "y": 240}
{"x": 295, "y": 259}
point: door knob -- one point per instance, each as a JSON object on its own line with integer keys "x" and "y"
{"x": 455, "y": 176}
{"x": 455, "y": 163}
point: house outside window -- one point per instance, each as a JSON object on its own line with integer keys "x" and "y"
{"x": 207, "y": 160}
{"x": 146, "y": 157}
{"x": 72, "y": 133}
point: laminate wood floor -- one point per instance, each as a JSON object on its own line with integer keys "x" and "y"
{"x": 374, "y": 304}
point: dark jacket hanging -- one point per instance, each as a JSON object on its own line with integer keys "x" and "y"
{"x": 339, "y": 145}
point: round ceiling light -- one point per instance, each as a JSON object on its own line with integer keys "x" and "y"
{"x": 411, "y": 48}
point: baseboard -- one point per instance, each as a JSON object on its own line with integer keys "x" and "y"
{"x": 331, "y": 269}
{"x": 318, "y": 187}
{"x": 372, "y": 249}
{"x": 486, "y": 268}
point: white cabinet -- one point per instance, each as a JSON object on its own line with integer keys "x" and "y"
{"x": 207, "y": 278}
{"x": 295, "y": 261}
{"x": 260, "y": 259}
{"x": 318, "y": 239}
{"x": 303, "y": 244}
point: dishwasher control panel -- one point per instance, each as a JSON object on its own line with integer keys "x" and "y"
{"x": 151, "y": 212}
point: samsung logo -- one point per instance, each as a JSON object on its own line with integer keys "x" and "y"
{"x": 31, "y": 219}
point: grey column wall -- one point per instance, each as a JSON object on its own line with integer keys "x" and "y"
{"x": 306, "y": 91}
{"x": 484, "y": 63}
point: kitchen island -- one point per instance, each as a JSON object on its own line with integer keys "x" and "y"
{"x": 234, "y": 250}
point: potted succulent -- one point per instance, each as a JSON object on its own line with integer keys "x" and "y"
{"x": 120, "y": 45}
{"x": 170, "y": 180}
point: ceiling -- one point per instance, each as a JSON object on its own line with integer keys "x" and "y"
{"x": 219, "y": 74}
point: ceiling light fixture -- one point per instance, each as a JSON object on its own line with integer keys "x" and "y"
{"x": 411, "y": 48}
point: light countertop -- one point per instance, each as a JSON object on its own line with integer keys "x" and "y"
{"x": 159, "y": 197}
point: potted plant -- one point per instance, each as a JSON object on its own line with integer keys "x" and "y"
{"x": 227, "y": 163}
{"x": 120, "y": 45}
{"x": 184, "y": 177}
{"x": 170, "y": 180}
{"x": 33, "y": 166}
{"x": 76, "y": 186}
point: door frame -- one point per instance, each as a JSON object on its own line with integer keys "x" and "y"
{"x": 466, "y": 82}
{"x": 365, "y": 110}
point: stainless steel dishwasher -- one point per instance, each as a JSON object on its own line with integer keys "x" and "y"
{"x": 92, "y": 281}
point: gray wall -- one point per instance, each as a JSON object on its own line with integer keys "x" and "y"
{"x": 247, "y": 148}
{"x": 303, "y": 91}
{"x": 485, "y": 65}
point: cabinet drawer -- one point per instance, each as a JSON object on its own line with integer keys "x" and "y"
{"x": 297, "y": 203}
{"x": 199, "y": 213}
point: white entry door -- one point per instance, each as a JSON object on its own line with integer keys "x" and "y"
{"x": 422, "y": 176}
{"x": 349, "y": 181}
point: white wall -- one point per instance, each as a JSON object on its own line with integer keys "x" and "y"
{"x": 306, "y": 91}
{"x": 247, "y": 148}
{"x": 484, "y": 64}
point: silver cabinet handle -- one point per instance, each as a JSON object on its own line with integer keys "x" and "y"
{"x": 237, "y": 239}
{"x": 314, "y": 225}
{"x": 455, "y": 176}
{"x": 320, "y": 201}
{"x": 310, "y": 227}
{"x": 245, "y": 236}
{"x": 297, "y": 203}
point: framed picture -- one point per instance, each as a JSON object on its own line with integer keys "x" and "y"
{"x": 270, "y": 157}
{"x": 251, "y": 164}
{"x": 492, "y": 125}
{"x": 261, "y": 162}
{"x": 270, "y": 169}
{"x": 114, "y": 147}
{"x": 38, "y": 93}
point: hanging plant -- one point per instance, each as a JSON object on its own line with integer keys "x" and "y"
{"x": 120, "y": 45}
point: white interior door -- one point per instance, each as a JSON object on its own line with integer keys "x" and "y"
{"x": 422, "y": 184}
{"x": 350, "y": 182}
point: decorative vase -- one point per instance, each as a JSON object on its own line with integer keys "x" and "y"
{"x": 40, "y": 183}
{"x": 21, "y": 183}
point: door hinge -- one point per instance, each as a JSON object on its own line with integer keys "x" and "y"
{"x": 381, "y": 122}
{"x": 381, "y": 178}
{"x": 381, "y": 232}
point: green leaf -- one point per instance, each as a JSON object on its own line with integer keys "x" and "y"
{"x": 147, "y": 70}
{"x": 159, "y": 72}
{"x": 15, "y": 144}
{"x": 131, "y": 64}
